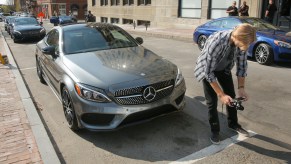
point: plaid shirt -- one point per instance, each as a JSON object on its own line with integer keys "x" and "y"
{"x": 212, "y": 54}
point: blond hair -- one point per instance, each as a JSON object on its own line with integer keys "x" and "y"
{"x": 245, "y": 34}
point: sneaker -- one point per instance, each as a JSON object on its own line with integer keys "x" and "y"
{"x": 215, "y": 138}
{"x": 240, "y": 130}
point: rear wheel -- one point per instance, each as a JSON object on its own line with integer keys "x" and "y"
{"x": 264, "y": 54}
{"x": 69, "y": 109}
{"x": 201, "y": 41}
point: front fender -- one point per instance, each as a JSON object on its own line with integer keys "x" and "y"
{"x": 68, "y": 82}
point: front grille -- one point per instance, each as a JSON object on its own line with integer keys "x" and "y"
{"x": 31, "y": 32}
{"x": 134, "y": 96}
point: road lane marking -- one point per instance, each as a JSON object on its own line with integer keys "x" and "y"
{"x": 212, "y": 149}
{"x": 27, "y": 68}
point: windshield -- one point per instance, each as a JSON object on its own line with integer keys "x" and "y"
{"x": 260, "y": 24}
{"x": 26, "y": 21}
{"x": 85, "y": 39}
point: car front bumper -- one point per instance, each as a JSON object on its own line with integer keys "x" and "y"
{"x": 108, "y": 116}
{"x": 28, "y": 36}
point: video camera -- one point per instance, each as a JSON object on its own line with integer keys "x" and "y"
{"x": 237, "y": 103}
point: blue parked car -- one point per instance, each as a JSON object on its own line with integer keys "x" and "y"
{"x": 272, "y": 45}
{"x": 62, "y": 19}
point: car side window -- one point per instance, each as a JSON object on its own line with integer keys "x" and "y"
{"x": 230, "y": 23}
{"x": 215, "y": 24}
{"x": 53, "y": 39}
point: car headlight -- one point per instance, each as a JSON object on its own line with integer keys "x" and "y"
{"x": 179, "y": 78}
{"x": 18, "y": 32}
{"x": 90, "y": 93}
{"x": 282, "y": 44}
{"x": 42, "y": 30}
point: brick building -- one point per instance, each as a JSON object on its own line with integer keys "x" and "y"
{"x": 172, "y": 13}
{"x": 62, "y": 7}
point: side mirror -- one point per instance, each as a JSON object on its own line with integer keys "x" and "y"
{"x": 139, "y": 40}
{"x": 50, "y": 50}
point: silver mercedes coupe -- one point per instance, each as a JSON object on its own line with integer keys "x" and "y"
{"x": 105, "y": 79}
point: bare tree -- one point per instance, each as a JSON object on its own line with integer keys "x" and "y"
{"x": 10, "y": 2}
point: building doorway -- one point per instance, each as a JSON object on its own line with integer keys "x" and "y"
{"x": 283, "y": 11}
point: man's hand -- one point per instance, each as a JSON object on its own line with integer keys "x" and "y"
{"x": 225, "y": 99}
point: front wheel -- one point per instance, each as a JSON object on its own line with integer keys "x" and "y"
{"x": 264, "y": 54}
{"x": 39, "y": 72}
{"x": 69, "y": 110}
{"x": 201, "y": 41}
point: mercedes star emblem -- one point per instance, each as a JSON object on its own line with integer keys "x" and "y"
{"x": 149, "y": 93}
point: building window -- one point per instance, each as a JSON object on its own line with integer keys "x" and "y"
{"x": 104, "y": 2}
{"x": 115, "y": 2}
{"x": 143, "y": 22}
{"x": 128, "y": 2}
{"x": 93, "y": 2}
{"x": 127, "y": 21}
{"x": 218, "y": 8}
{"x": 144, "y": 2}
{"x": 104, "y": 19}
{"x": 62, "y": 9}
{"x": 190, "y": 8}
{"x": 114, "y": 20}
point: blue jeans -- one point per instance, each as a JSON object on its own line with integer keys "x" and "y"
{"x": 226, "y": 83}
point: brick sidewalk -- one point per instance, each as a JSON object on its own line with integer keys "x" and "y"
{"x": 17, "y": 142}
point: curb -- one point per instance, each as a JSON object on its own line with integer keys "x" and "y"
{"x": 45, "y": 147}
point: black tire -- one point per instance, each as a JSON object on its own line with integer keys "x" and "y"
{"x": 69, "y": 110}
{"x": 15, "y": 40}
{"x": 264, "y": 54}
{"x": 201, "y": 41}
{"x": 39, "y": 72}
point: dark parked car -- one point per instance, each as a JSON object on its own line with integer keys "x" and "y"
{"x": 105, "y": 79}
{"x": 7, "y": 21}
{"x": 272, "y": 43}
{"x": 26, "y": 28}
{"x": 63, "y": 19}
{"x": 3, "y": 15}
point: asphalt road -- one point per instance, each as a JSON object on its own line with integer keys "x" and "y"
{"x": 175, "y": 136}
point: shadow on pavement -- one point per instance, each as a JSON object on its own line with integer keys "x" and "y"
{"x": 281, "y": 155}
{"x": 166, "y": 138}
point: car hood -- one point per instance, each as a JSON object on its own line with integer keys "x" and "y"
{"x": 108, "y": 67}
{"x": 28, "y": 27}
{"x": 276, "y": 35}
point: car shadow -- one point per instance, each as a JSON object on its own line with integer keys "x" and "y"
{"x": 166, "y": 138}
{"x": 173, "y": 136}
{"x": 276, "y": 64}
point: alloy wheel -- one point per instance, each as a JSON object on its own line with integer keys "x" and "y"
{"x": 201, "y": 41}
{"x": 69, "y": 110}
{"x": 264, "y": 54}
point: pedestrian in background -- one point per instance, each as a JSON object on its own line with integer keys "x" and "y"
{"x": 213, "y": 67}
{"x": 270, "y": 12}
{"x": 90, "y": 17}
{"x": 244, "y": 9}
{"x": 232, "y": 10}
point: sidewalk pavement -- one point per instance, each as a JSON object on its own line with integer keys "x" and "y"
{"x": 23, "y": 138}
{"x": 182, "y": 34}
